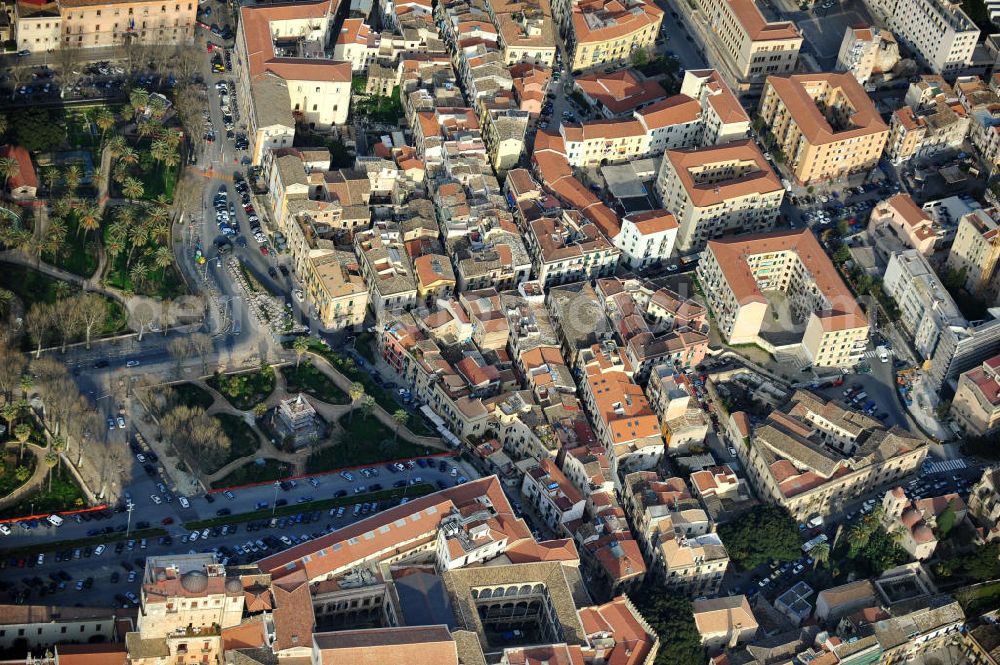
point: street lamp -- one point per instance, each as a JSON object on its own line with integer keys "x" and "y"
{"x": 274, "y": 501}
{"x": 128, "y": 508}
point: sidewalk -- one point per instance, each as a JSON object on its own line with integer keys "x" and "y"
{"x": 922, "y": 410}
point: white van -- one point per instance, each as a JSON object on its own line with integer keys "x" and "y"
{"x": 55, "y": 520}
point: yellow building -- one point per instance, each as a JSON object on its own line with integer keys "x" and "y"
{"x": 976, "y": 249}
{"x": 738, "y": 271}
{"x": 435, "y": 278}
{"x": 825, "y": 124}
{"x": 906, "y": 134}
{"x": 750, "y": 46}
{"x": 607, "y": 33}
{"x": 335, "y": 288}
{"x": 97, "y": 23}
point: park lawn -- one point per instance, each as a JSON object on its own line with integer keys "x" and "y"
{"x": 245, "y": 390}
{"x": 78, "y": 254}
{"x": 64, "y": 495}
{"x": 164, "y": 283}
{"x": 383, "y": 397}
{"x": 362, "y": 443}
{"x": 978, "y": 599}
{"x": 32, "y": 286}
{"x": 191, "y": 395}
{"x": 242, "y": 438}
{"x": 307, "y": 379}
{"x": 255, "y": 473}
{"x": 8, "y": 478}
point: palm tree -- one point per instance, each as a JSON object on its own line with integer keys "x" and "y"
{"x": 22, "y": 473}
{"x": 401, "y": 417}
{"x": 138, "y": 237}
{"x": 88, "y": 219}
{"x": 9, "y": 168}
{"x": 117, "y": 145}
{"x": 50, "y": 176}
{"x": 22, "y": 433}
{"x": 105, "y": 121}
{"x": 138, "y": 98}
{"x": 356, "y": 391}
{"x": 129, "y": 156}
{"x": 55, "y": 236}
{"x": 300, "y": 346}
{"x": 145, "y": 129}
{"x": 58, "y": 446}
{"x": 820, "y": 554}
{"x": 72, "y": 178}
{"x": 132, "y": 189}
{"x": 163, "y": 258}
{"x": 3, "y": 124}
{"x": 51, "y": 459}
{"x": 367, "y": 405}
{"x": 27, "y": 382}
{"x": 125, "y": 215}
{"x": 6, "y": 298}
{"x": 138, "y": 274}
{"x": 10, "y": 413}
{"x": 259, "y": 410}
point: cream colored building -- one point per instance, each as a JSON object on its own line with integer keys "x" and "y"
{"x": 718, "y": 190}
{"x": 815, "y": 457}
{"x": 600, "y": 33}
{"x": 976, "y": 405}
{"x": 334, "y": 286}
{"x": 89, "y": 24}
{"x": 187, "y": 590}
{"x": 938, "y": 31}
{"x": 867, "y": 51}
{"x": 752, "y": 47}
{"x": 691, "y": 565}
{"x": 914, "y": 522}
{"x": 38, "y": 27}
{"x": 724, "y": 622}
{"x": 984, "y": 504}
{"x": 976, "y": 249}
{"x": 525, "y": 31}
{"x": 736, "y": 272}
{"x": 825, "y": 125}
{"x": 907, "y": 221}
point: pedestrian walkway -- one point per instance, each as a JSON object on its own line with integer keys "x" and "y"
{"x": 945, "y": 466}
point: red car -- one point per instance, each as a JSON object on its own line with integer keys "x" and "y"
{"x": 167, "y": 520}
{"x": 263, "y": 250}
{"x": 210, "y": 46}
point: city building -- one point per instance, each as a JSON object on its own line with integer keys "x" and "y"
{"x": 825, "y": 125}
{"x": 838, "y": 601}
{"x": 822, "y": 318}
{"x": 40, "y": 627}
{"x": 646, "y": 239}
{"x": 599, "y": 34}
{"x": 975, "y": 250}
{"x": 284, "y": 75}
{"x": 915, "y": 521}
{"x": 976, "y": 405}
{"x": 90, "y": 24}
{"x": 907, "y": 222}
{"x": 386, "y": 269}
{"x": 867, "y": 52}
{"x": 333, "y": 283}
{"x": 555, "y": 499}
{"x": 620, "y": 93}
{"x": 984, "y": 504}
{"x": 750, "y": 46}
{"x": 295, "y": 419}
{"x": 718, "y": 190}
{"x": 38, "y": 25}
{"x": 814, "y": 456}
{"x": 724, "y": 622}
{"x": 672, "y": 396}
{"x": 939, "y": 32}
{"x": 22, "y": 185}
{"x": 723, "y": 116}
{"x": 569, "y": 248}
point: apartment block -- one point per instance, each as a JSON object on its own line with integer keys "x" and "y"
{"x": 88, "y": 24}
{"x": 724, "y": 622}
{"x": 620, "y": 93}
{"x": 914, "y": 521}
{"x": 386, "y": 269}
{"x": 737, "y": 272}
{"x": 751, "y": 46}
{"x": 38, "y": 25}
{"x": 976, "y": 405}
{"x": 724, "y": 117}
{"x": 938, "y": 31}
{"x": 555, "y": 499}
{"x": 718, "y": 190}
{"x": 814, "y": 456}
{"x": 825, "y": 125}
{"x": 866, "y": 52}
{"x": 333, "y": 284}
{"x": 599, "y": 34}
{"x": 907, "y": 222}
{"x": 569, "y": 248}
{"x": 646, "y": 238}
{"x": 975, "y": 250}
{"x": 40, "y": 627}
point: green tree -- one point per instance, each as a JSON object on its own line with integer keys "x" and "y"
{"x": 132, "y": 188}
{"x": 51, "y": 459}
{"x": 820, "y": 554}
{"x": 300, "y": 346}
{"x": 22, "y": 433}
{"x": 22, "y": 473}
{"x": 765, "y": 534}
{"x": 367, "y": 406}
{"x": 9, "y": 168}
{"x": 356, "y": 391}
{"x": 38, "y": 130}
{"x": 259, "y": 410}
{"x": 672, "y": 617}
{"x": 946, "y": 521}
{"x": 401, "y": 417}
{"x": 639, "y": 58}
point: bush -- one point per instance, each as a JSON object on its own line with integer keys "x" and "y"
{"x": 245, "y": 390}
{"x": 765, "y": 534}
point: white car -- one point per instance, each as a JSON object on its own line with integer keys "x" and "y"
{"x": 194, "y": 536}
{"x": 299, "y": 295}
{"x": 184, "y": 502}
{"x": 99, "y": 550}
{"x": 141, "y": 458}
{"x": 4, "y": 529}
{"x": 156, "y": 499}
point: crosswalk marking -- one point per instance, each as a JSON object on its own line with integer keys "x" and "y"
{"x": 947, "y": 465}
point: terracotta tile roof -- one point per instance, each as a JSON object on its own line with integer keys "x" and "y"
{"x": 91, "y": 654}
{"x": 528, "y": 551}
{"x": 676, "y": 110}
{"x": 294, "y": 620}
{"x": 248, "y": 635}
{"x": 620, "y": 619}
{"x": 255, "y": 25}
{"x": 612, "y": 19}
{"x": 760, "y": 180}
{"x": 433, "y": 269}
{"x": 653, "y": 221}
{"x": 722, "y": 615}
{"x": 26, "y": 176}
{"x": 413, "y": 645}
{"x": 622, "y": 406}
{"x": 844, "y": 312}
{"x": 620, "y": 92}
{"x": 757, "y": 27}
{"x": 601, "y": 130}
{"x": 865, "y": 119}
